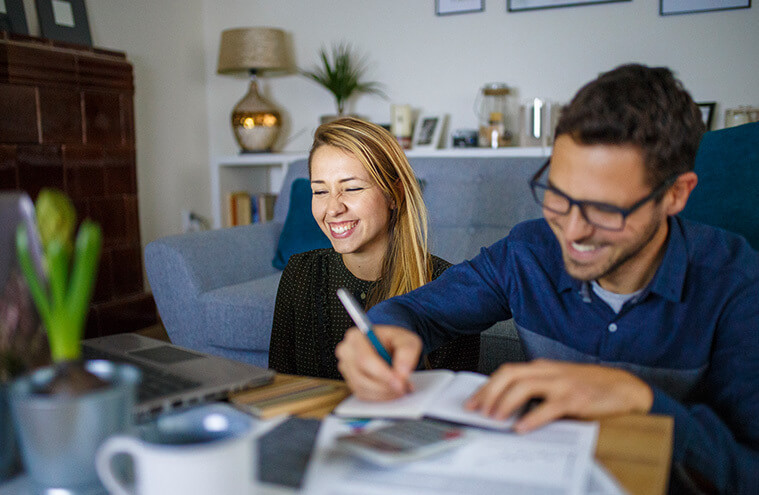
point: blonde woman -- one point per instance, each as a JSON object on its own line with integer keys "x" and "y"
{"x": 367, "y": 201}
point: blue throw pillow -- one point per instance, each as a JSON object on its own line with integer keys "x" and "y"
{"x": 300, "y": 233}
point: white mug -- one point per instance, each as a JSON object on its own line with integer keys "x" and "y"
{"x": 210, "y": 449}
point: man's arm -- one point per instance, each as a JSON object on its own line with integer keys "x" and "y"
{"x": 717, "y": 433}
{"x": 466, "y": 299}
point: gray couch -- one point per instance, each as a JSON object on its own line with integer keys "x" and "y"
{"x": 215, "y": 290}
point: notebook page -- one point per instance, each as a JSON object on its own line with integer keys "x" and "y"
{"x": 427, "y": 386}
{"x": 449, "y": 404}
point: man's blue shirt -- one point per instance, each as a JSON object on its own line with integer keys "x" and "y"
{"x": 692, "y": 334}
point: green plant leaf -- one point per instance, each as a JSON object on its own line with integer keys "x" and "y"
{"x": 86, "y": 258}
{"x": 341, "y": 75}
{"x": 36, "y": 287}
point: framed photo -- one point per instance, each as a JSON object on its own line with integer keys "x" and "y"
{"x": 427, "y": 132}
{"x": 447, "y": 7}
{"x": 64, "y": 20}
{"x": 13, "y": 17}
{"x": 707, "y": 113}
{"x": 673, "y": 7}
{"x": 522, "y": 5}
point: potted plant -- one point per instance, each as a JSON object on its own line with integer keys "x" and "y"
{"x": 340, "y": 73}
{"x": 63, "y": 412}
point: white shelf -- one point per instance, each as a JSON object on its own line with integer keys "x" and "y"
{"x": 481, "y": 152}
{"x": 264, "y": 172}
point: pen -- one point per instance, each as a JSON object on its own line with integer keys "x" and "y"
{"x": 362, "y": 321}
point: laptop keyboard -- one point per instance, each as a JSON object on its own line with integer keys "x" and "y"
{"x": 155, "y": 383}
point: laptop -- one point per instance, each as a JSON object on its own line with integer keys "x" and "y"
{"x": 172, "y": 377}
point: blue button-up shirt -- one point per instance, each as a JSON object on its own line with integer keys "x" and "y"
{"x": 692, "y": 334}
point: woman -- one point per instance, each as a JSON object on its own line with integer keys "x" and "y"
{"x": 367, "y": 201}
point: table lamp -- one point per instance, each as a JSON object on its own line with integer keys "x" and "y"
{"x": 256, "y": 122}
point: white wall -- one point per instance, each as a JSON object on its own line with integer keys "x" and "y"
{"x": 435, "y": 63}
{"x": 165, "y": 45}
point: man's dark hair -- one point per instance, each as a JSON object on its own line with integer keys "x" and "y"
{"x": 638, "y": 105}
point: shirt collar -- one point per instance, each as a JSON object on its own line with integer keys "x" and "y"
{"x": 669, "y": 279}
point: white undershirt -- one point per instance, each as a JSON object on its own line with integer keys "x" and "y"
{"x": 614, "y": 300}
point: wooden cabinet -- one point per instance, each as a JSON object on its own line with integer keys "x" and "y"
{"x": 67, "y": 121}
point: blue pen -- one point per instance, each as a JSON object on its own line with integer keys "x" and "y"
{"x": 362, "y": 321}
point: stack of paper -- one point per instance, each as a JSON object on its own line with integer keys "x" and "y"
{"x": 556, "y": 459}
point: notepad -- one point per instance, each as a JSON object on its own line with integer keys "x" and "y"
{"x": 437, "y": 394}
{"x": 289, "y": 395}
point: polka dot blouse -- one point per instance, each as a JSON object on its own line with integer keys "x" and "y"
{"x": 309, "y": 320}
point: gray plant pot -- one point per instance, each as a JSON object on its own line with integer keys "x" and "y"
{"x": 9, "y": 461}
{"x": 58, "y": 436}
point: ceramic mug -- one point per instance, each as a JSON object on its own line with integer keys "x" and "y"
{"x": 209, "y": 449}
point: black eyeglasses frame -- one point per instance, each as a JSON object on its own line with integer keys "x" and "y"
{"x": 624, "y": 212}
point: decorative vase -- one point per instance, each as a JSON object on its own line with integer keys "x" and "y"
{"x": 59, "y": 435}
{"x": 256, "y": 122}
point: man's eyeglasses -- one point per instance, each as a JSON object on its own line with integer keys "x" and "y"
{"x": 602, "y": 215}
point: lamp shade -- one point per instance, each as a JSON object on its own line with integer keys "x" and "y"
{"x": 256, "y": 48}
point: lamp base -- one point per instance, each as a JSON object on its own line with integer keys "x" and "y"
{"x": 255, "y": 121}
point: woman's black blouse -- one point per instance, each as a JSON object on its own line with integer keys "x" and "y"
{"x": 309, "y": 320}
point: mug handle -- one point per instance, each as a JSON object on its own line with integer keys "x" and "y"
{"x": 112, "y": 447}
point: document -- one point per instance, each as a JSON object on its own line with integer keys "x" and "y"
{"x": 437, "y": 394}
{"x": 556, "y": 459}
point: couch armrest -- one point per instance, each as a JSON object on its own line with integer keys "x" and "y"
{"x": 180, "y": 268}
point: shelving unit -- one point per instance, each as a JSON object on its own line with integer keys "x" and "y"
{"x": 264, "y": 172}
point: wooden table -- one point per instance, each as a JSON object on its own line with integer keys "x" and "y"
{"x": 636, "y": 449}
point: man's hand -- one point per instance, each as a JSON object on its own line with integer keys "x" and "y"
{"x": 367, "y": 374}
{"x": 567, "y": 389}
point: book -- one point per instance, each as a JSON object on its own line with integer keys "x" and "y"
{"x": 266, "y": 206}
{"x": 238, "y": 208}
{"x": 439, "y": 394}
{"x": 290, "y": 395}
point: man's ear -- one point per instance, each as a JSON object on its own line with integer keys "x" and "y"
{"x": 677, "y": 195}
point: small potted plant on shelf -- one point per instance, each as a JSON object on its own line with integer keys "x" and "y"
{"x": 73, "y": 405}
{"x": 341, "y": 75}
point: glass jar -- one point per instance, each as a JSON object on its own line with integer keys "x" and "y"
{"x": 492, "y": 109}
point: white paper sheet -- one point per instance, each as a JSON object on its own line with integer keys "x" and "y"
{"x": 556, "y": 460}
{"x": 427, "y": 386}
{"x": 449, "y": 404}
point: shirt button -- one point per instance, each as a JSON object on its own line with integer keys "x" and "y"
{"x": 363, "y": 295}
{"x": 613, "y": 327}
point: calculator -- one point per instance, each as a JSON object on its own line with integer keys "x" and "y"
{"x": 403, "y": 441}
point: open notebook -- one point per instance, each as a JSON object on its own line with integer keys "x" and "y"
{"x": 437, "y": 394}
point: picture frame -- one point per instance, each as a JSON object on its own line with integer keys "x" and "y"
{"x": 525, "y": 5}
{"x": 427, "y": 131}
{"x": 676, "y": 7}
{"x": 707, "y": 113}
{"x": 450, "y": 7}
{"x": 64, "y": 20}
{"x": 13, "y": 18}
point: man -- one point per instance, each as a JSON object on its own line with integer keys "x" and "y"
{"x": 621, "y": 306}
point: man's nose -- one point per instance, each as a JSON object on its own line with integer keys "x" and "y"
{"x": 576, "y": 226}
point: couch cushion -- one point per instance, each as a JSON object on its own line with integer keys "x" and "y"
{"x": 300, "y": 233}
{"x": 240, "y": 316}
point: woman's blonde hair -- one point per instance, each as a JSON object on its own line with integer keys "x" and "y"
{"x": 407, "y": 263}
